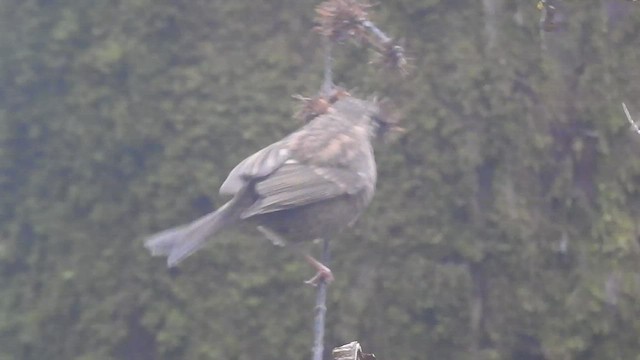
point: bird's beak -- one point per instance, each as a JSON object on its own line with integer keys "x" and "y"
{"x": 393, "y": 133}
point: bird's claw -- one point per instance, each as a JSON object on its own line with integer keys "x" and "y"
{"x": 323, "y": 275}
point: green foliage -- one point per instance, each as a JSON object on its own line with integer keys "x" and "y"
{"x": 504, "y": 226}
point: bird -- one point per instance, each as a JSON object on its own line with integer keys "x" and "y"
{"x": 309, "y": 185}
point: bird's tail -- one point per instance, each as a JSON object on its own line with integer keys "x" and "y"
{"x": 179, "y": 242}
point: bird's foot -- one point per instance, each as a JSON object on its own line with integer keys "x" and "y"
{"x": 320, "y": 277}
{"x": 323, "y": 273}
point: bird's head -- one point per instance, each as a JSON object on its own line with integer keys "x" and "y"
{"x": 377, "y": 115}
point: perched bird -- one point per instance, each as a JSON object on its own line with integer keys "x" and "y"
{"x": 309, "y": 185}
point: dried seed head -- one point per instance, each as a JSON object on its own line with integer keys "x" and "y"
{"x": 392, "y": 56}
{"x": 340, "y": 20}
{"x": 319, "y": 104}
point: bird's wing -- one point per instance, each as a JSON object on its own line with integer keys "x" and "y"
{"x": 295, "y": 184}
{"x": 258, "y": 165}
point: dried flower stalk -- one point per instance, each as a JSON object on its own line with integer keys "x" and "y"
{"x": 341, "y": 20}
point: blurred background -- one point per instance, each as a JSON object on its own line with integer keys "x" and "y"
{"x": 505, "y": 225}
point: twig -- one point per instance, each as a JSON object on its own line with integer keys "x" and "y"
{"x": 321, "y": 308}
{"x": 327, "y": 83}
{"x": 340, "y": 20}
{"x": 321, "y": 296}
{"x": 633, "y": 123}
{"x": 390, "y": 53}
{"x": 383, "y": 38}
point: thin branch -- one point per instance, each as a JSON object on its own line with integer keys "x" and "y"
{"x": 321, "y": 296}
{"x": 321, "y": 308}
{"x": 633, "y": 123}
{"x": 391, "y": 54}
{"x": 382, "y": 37}
{"x": 327, "y": 83}
{"x": 339, "y": 20}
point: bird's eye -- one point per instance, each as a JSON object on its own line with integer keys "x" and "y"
{"x": 377, "y": 120}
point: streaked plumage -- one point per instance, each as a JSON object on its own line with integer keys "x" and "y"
{"x": 309, "y": 185}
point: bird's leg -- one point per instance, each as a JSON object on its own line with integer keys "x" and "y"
{"x": 323, "y": 274}
{"x": 276, "y": 239}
